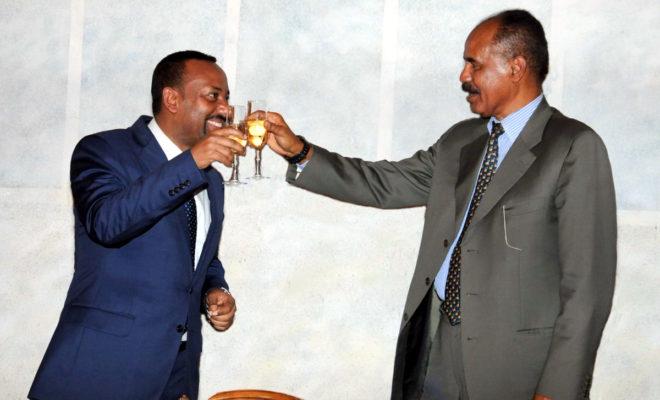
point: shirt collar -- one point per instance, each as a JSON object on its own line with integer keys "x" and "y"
{"x": 170, "y": 149}
{"x": 514, "y": 123}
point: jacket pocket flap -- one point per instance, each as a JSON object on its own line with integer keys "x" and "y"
{"x": 114, "y": 323}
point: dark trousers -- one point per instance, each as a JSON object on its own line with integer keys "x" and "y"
{"x": 179, "y": 383}
{"x": 445, "y": 376}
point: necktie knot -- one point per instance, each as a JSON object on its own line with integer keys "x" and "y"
{"x": 497, "y": 130}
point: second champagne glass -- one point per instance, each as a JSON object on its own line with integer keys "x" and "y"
{"x": 257, "y": 134}
{"x": 236, "y": 119}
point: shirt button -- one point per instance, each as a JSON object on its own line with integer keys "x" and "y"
{"x": 405, "y": 316}
{"x": 445, "y": 243}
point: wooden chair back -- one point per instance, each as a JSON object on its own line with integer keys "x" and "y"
{"x": 252, "y": 394}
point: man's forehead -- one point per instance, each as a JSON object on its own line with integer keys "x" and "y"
{"x": 206, "y": 73}
{"x": 480, "y": 37}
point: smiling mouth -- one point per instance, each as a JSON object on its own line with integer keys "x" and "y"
{"x": 215, "y": 123}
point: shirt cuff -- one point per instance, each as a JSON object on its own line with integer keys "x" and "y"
{"x": 300, "y": 167}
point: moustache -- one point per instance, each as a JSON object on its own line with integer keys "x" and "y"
{"x": 469, "y": 88}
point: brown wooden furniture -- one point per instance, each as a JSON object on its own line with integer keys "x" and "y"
{"x": 251, "y": 394}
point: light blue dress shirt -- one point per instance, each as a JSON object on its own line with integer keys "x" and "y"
{"x": 513, "y": 124}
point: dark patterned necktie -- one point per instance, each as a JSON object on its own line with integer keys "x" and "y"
{"x": 191, "y": 217}
{"x": 452, "y": 304}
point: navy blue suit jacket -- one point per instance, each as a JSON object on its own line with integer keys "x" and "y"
{"x": 133, "y": 289}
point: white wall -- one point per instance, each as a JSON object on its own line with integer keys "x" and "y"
{"x": 320, "y": 285}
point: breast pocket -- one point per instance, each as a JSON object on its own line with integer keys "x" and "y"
{"x": 527, "y": 206}
{"x": 521, "y": 220}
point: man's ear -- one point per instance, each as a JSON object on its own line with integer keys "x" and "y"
{"x": 518, "y": 67}
{"x": 171, "y": 99}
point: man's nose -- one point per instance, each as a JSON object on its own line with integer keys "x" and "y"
{"x": 222, "y": 108}
{"x": 465, "y": 75}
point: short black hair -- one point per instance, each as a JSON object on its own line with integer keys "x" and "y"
{"x": 169, "y": 72}
{"x": 521, "y": 34}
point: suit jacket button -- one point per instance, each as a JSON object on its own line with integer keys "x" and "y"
{"x": 180, "y": 328}
{"x": 187, "y": 182}
{"x": 171, "y": 192}
{"x": 427, "y": 281}
{"x": 445, "y": 243}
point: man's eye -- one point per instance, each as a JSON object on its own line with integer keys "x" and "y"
{"x": 213, "y": 96}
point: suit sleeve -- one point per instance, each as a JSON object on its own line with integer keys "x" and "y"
{"x": 112, "y": 207}
{"x": 215, "y": 276}
{"x": 381, "y": 184}
{"x": 587, "y": 233}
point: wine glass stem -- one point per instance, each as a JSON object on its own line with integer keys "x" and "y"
{"x": 257, "y": 163}
{"x": 234, "y": 169}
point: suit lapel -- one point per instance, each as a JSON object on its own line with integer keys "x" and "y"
{"x": 215, "y": 192}
{"x": 469, "y": 164}
{"x": 150, "y": 154}
{"x": 515, "y": 164}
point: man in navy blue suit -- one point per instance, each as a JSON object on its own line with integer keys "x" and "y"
{"x": 148, "y": 211}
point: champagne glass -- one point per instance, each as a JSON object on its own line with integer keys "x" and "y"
{"x": 235, "y": 118}
{"x": 257, "y": 134}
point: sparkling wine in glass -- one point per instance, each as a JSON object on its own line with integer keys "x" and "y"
{"x": 236, "y": 119}
{"x": 257, "y": 134}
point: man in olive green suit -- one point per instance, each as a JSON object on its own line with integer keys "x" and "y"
{"x": 518, "y": 253}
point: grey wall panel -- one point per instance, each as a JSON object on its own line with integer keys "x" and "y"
{"x": 123, "y": 42}
{"x": 33, "y": 56}
{"x": 318, "y": 64}
{"x": 612, "y": 83}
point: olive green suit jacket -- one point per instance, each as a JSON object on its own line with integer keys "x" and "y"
{"x": 538, "y": 260}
